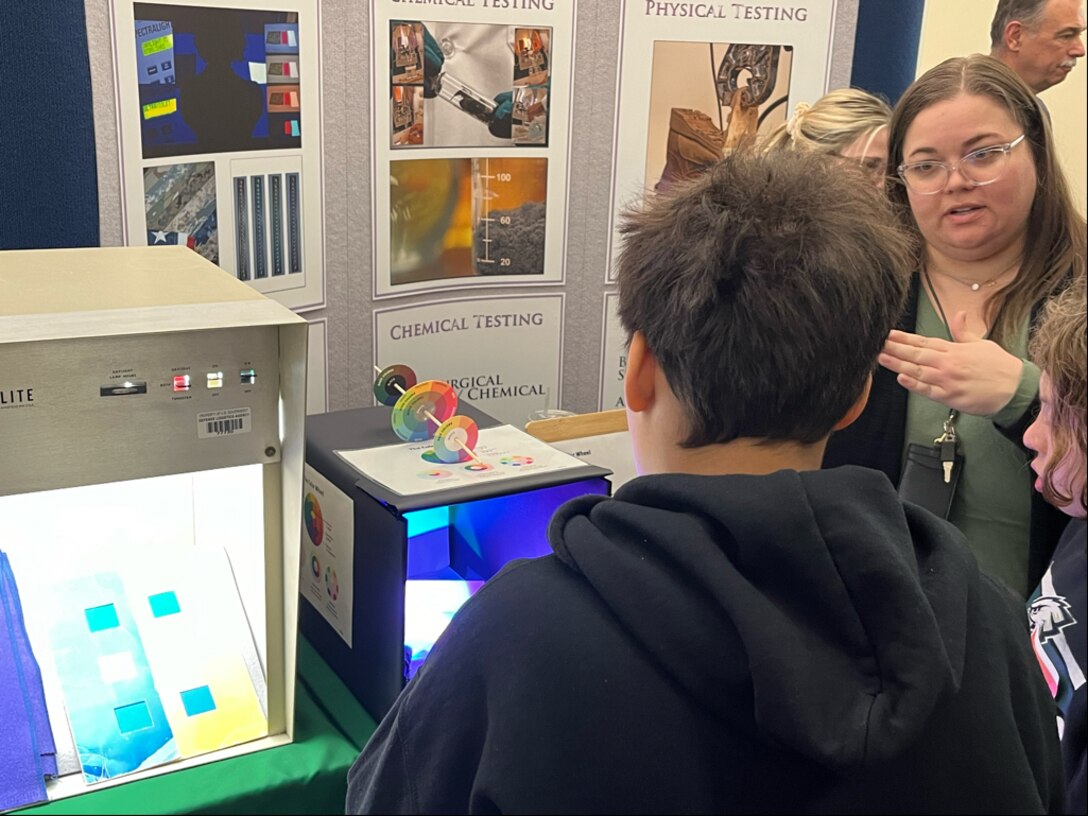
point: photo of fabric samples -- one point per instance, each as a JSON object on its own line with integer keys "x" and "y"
{"x": 180, "y": 206}
{"x": 27, "y": 752}
{"x": 216, "y": 80}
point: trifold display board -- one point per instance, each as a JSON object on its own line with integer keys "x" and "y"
{"x": 151, "y": 427}
{"x": 395, "y": 540}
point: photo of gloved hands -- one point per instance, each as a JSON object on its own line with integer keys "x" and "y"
{"x": 469, "y": 73}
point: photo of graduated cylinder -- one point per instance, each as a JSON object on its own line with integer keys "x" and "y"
{"x": 509, "y": 199}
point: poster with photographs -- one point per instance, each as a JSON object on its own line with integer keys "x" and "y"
{"x": 473, "y": 143}
{"x": 502, "y": 354}
{"x": 219, "y": 108}
{"x": 468, "y": 84}
{"x": 693, "y": 88}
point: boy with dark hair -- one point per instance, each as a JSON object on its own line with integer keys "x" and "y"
{"x": 736, "y": 630}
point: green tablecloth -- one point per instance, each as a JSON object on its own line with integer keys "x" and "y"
{"x": 307, "y": 776}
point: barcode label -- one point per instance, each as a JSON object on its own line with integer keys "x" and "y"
{"x": 223, "y": 423}
{"x": 219, "y": 427}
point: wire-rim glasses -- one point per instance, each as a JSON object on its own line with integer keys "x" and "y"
{"x": 979, "y": 167}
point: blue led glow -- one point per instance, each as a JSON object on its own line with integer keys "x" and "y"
{"x": 428, "y": 608}
{"x": 423, "y": 521}
{"x": 453, "y": 549}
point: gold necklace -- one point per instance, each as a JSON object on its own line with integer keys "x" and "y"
{"x": 974, "y": 286}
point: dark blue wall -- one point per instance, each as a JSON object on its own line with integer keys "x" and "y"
{"x": 48, "y": 181}
{"x": 886, "y": 46}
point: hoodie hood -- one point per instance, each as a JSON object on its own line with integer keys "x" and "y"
{"x": 816, "y": 605}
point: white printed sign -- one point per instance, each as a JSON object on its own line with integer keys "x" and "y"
{"x": 328, "y": 551}
{"x": 613, "y": 355}
{"x": 501, "y": 354}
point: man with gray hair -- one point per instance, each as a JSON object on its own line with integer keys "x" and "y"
{"x": 1038, "y": 39}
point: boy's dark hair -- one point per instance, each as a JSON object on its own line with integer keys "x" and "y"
{"x": 765, "y": 289}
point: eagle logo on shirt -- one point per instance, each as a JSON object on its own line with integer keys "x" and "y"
{"x": 1049, "y": 615}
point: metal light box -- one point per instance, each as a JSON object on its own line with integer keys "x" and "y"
{"x": 152, "y": 404}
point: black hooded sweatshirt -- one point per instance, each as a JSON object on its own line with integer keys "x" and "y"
{"x": 798, "y": 642}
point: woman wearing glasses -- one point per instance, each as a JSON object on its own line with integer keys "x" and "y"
{"x": 848, "y": 123}
{"x": 977, "y": 181}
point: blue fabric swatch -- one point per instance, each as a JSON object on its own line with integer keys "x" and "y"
{"x": 27, "y": 752}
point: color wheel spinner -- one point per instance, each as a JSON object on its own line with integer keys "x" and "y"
{"x": 422, "y": 408}
{"x": 392, "y": 382}
{"x": 454, "y": 438}
{"x": 417, "y": 406}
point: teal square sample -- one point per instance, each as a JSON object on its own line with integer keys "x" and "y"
{"x": 197, "y": 701}
{"x": 101, "y": 617}
{"x": 163, "y": 604}
{"x": 133, "y": 717}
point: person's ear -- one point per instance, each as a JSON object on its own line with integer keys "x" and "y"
{"x": 638, "y": 381}
{"x": 854, "y": 411}
{"x": 1013, "y": 35}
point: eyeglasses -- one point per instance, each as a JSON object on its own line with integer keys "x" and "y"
{"x": 979, "y": 167}
{"x": 873, "y": 166}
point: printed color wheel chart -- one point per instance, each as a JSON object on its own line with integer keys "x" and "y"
{"x": 315, "y": 566}
{"x": 315, "y": 522}
{"x": 476, "y": 467}
{"x": 435, "y": 473}
{"x": 332, "y": 586}
{"x": 516, "y": 461}
{"x": 410, "y": 414}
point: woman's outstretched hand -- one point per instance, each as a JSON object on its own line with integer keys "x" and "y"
{"x": 972, "y": 375}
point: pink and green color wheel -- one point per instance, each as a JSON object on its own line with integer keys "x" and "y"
{"x": 453, "y": 436}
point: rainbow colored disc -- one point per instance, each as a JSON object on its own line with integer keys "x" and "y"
{"x": 452, "y": 438}
{"x": 516, "y": 461}
{"x": 393, "y": 381}
{"x": 410, "y": 414}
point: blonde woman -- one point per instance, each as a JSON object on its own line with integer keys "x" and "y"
{"x": 848, "y": 122}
